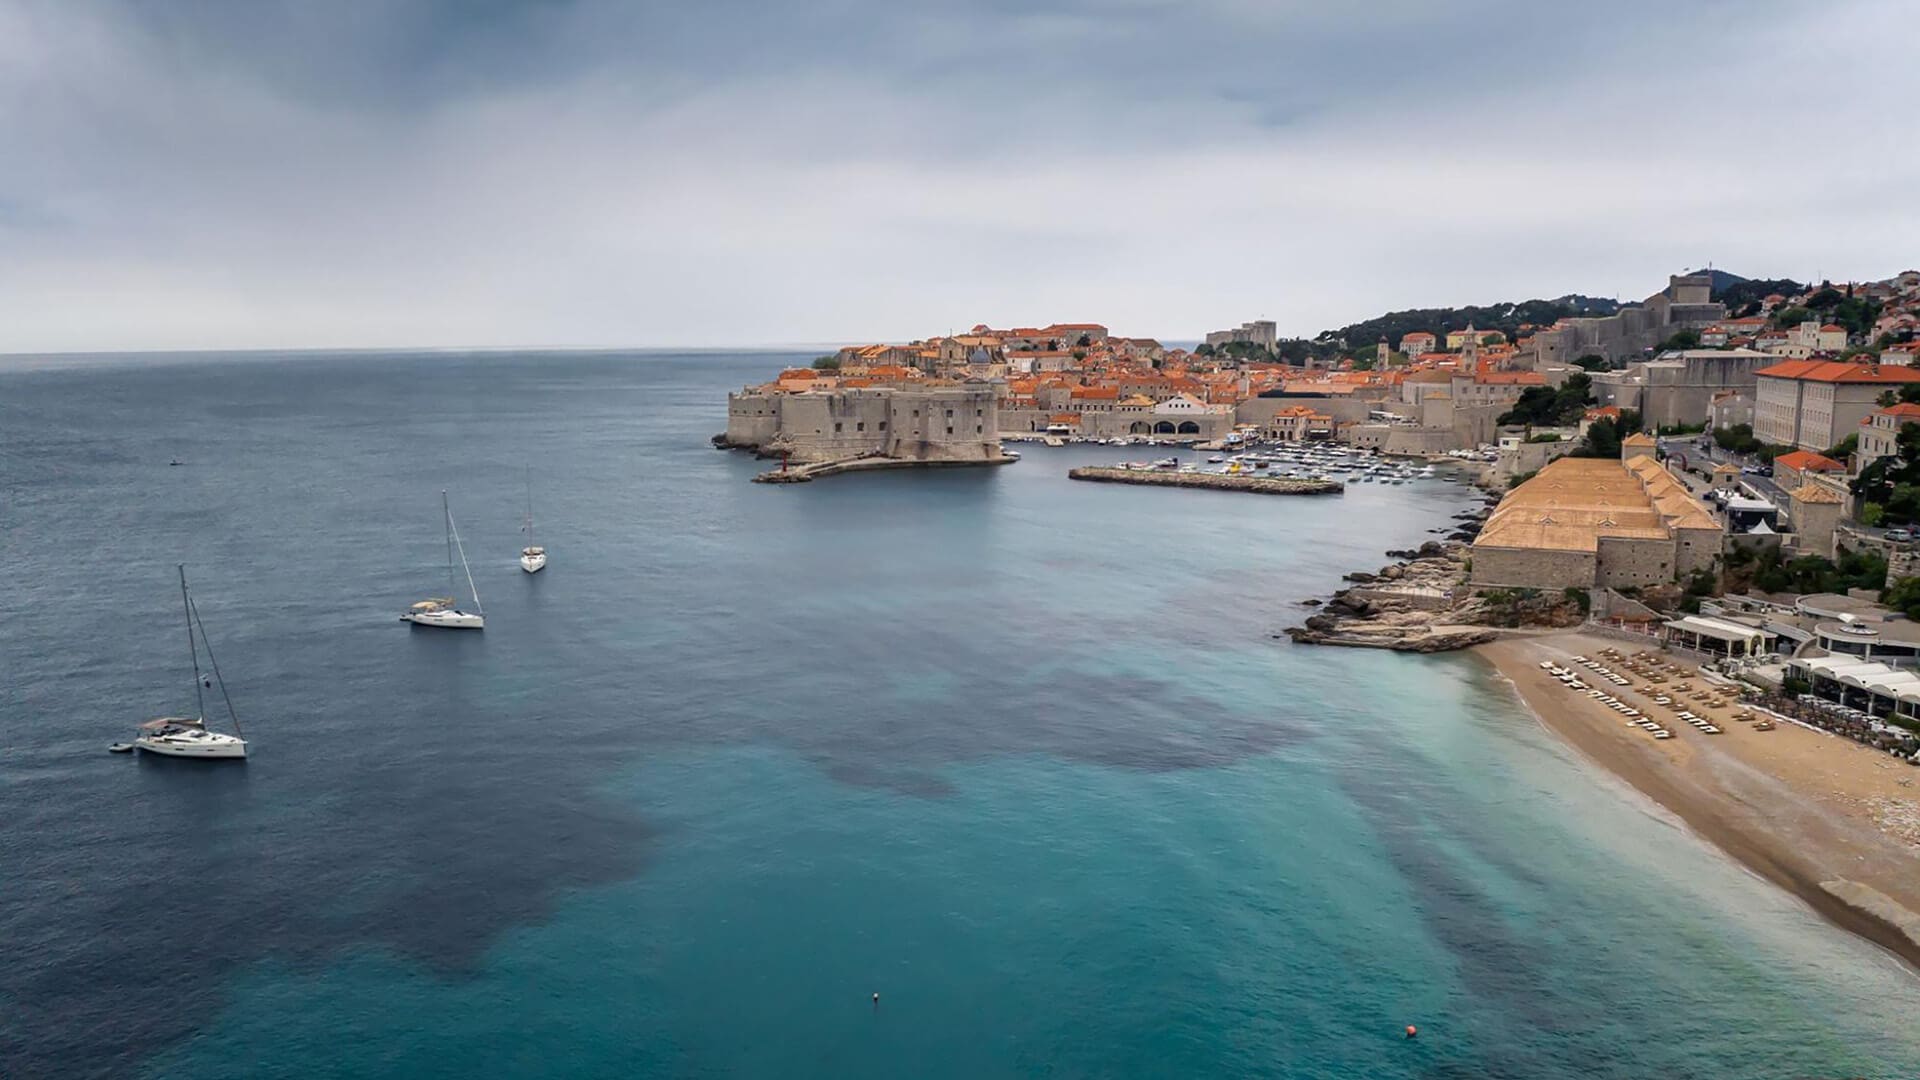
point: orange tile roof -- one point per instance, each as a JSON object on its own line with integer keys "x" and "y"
{"x": 1833, "y": 371}
{"x": 1814, "y": 493}
{"x": 1803, "y": 460}
{"x": 1906, "y": 409}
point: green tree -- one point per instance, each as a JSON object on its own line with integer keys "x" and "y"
{"x": 1893, "y": 482}
{"x": 1591, "y": 362}
{"x": 827, "y": 363}
{"x": 1548, "y": 406}
{"x": 1813, "y": 574}
{"x": 1737, "y": 439}
{"x": 1602, "y": 441}
{"x": 1857, "y": 314}
{"x": 1903, "y": 596}
{"x": 1680, "y": 339}
{"x": 1845, "y": 448}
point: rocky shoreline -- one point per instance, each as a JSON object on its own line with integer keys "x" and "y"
{"x": 1422, "y": 602}
{"x": 1407, "y": 606}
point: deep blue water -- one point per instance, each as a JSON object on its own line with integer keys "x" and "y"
{"x": 1018, "y": 754}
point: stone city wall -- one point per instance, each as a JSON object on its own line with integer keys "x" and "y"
{"x": 1532, "y": 568}
{"x": 1623, "y": 562}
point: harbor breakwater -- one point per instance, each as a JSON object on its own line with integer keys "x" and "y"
{"x": 1262, "y": 485}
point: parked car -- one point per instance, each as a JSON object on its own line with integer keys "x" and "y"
{"x": 1899, "y": 536}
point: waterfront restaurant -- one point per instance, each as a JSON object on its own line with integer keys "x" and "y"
{"x": 1862, "y": 684}
{"x": 1721, "y": 637}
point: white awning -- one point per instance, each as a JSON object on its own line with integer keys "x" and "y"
{"x": 1871, "y": 676}
{"x": 1718, "y": 629}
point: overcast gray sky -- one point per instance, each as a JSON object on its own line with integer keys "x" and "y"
{"x": 259, "y": 173}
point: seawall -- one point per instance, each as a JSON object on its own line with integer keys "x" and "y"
{"x": 800, "y": 474}
{"x": 1261, "y": 485}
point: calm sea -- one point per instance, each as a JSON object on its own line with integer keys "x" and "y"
{"x": 1018, "y": 754}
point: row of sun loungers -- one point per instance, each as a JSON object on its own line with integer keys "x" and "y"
{"x": 1634, "y": 716}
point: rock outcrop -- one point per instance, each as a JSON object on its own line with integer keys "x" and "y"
{"x": 1422, "y": 604}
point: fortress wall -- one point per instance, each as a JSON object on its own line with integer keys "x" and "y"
{"x": 752, "y": 418}
{"x": 1624, "y": 561}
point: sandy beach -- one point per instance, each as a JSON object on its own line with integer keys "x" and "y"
{"x": 1836, "y": 823}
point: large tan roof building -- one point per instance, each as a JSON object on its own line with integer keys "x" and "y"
{"x": 1589, "y": 522}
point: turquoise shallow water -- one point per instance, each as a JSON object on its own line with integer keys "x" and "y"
{"x": 1019, "y": 754}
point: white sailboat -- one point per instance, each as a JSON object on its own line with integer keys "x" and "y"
{"x": 443, "y": 611}
{"x": 188, "y": 737}
{"x": 533, "y": 557}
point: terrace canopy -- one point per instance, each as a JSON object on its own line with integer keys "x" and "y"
{"x": 1703, "y": 634}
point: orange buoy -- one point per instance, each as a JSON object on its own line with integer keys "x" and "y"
{"x": 1412, "y": 1031}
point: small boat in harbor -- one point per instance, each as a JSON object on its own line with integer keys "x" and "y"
{"x": 188, "y": 736}
{"x": 444, "y": 612}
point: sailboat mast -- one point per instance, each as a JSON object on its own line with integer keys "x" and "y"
{"x": 193, "y": 650}
{"x": 455, "y": 532}
{"x": 193, "y": 610}
{"x": 530, "y": 541}
{"x": 446, "y": 512}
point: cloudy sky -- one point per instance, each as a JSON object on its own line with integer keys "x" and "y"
{"x": 284, "y": 173}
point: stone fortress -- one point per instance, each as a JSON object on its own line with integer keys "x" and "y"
{"x": 936, "y": 424}
{"x": 1686, "y": 303}
{"x": 1593, "y": 522}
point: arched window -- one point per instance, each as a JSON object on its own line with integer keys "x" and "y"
{"x": 1141, "y": 427}
{"x": 1164, "y": 427}
{"x": 1188, "y": 427}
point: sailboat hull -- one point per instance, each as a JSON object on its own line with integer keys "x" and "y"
{"x": 211, "y": 745}
{"x": 446, "y": 620}
{"x": 533, "y": 561}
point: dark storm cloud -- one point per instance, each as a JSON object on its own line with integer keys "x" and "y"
{"x": 577, "y": 171}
